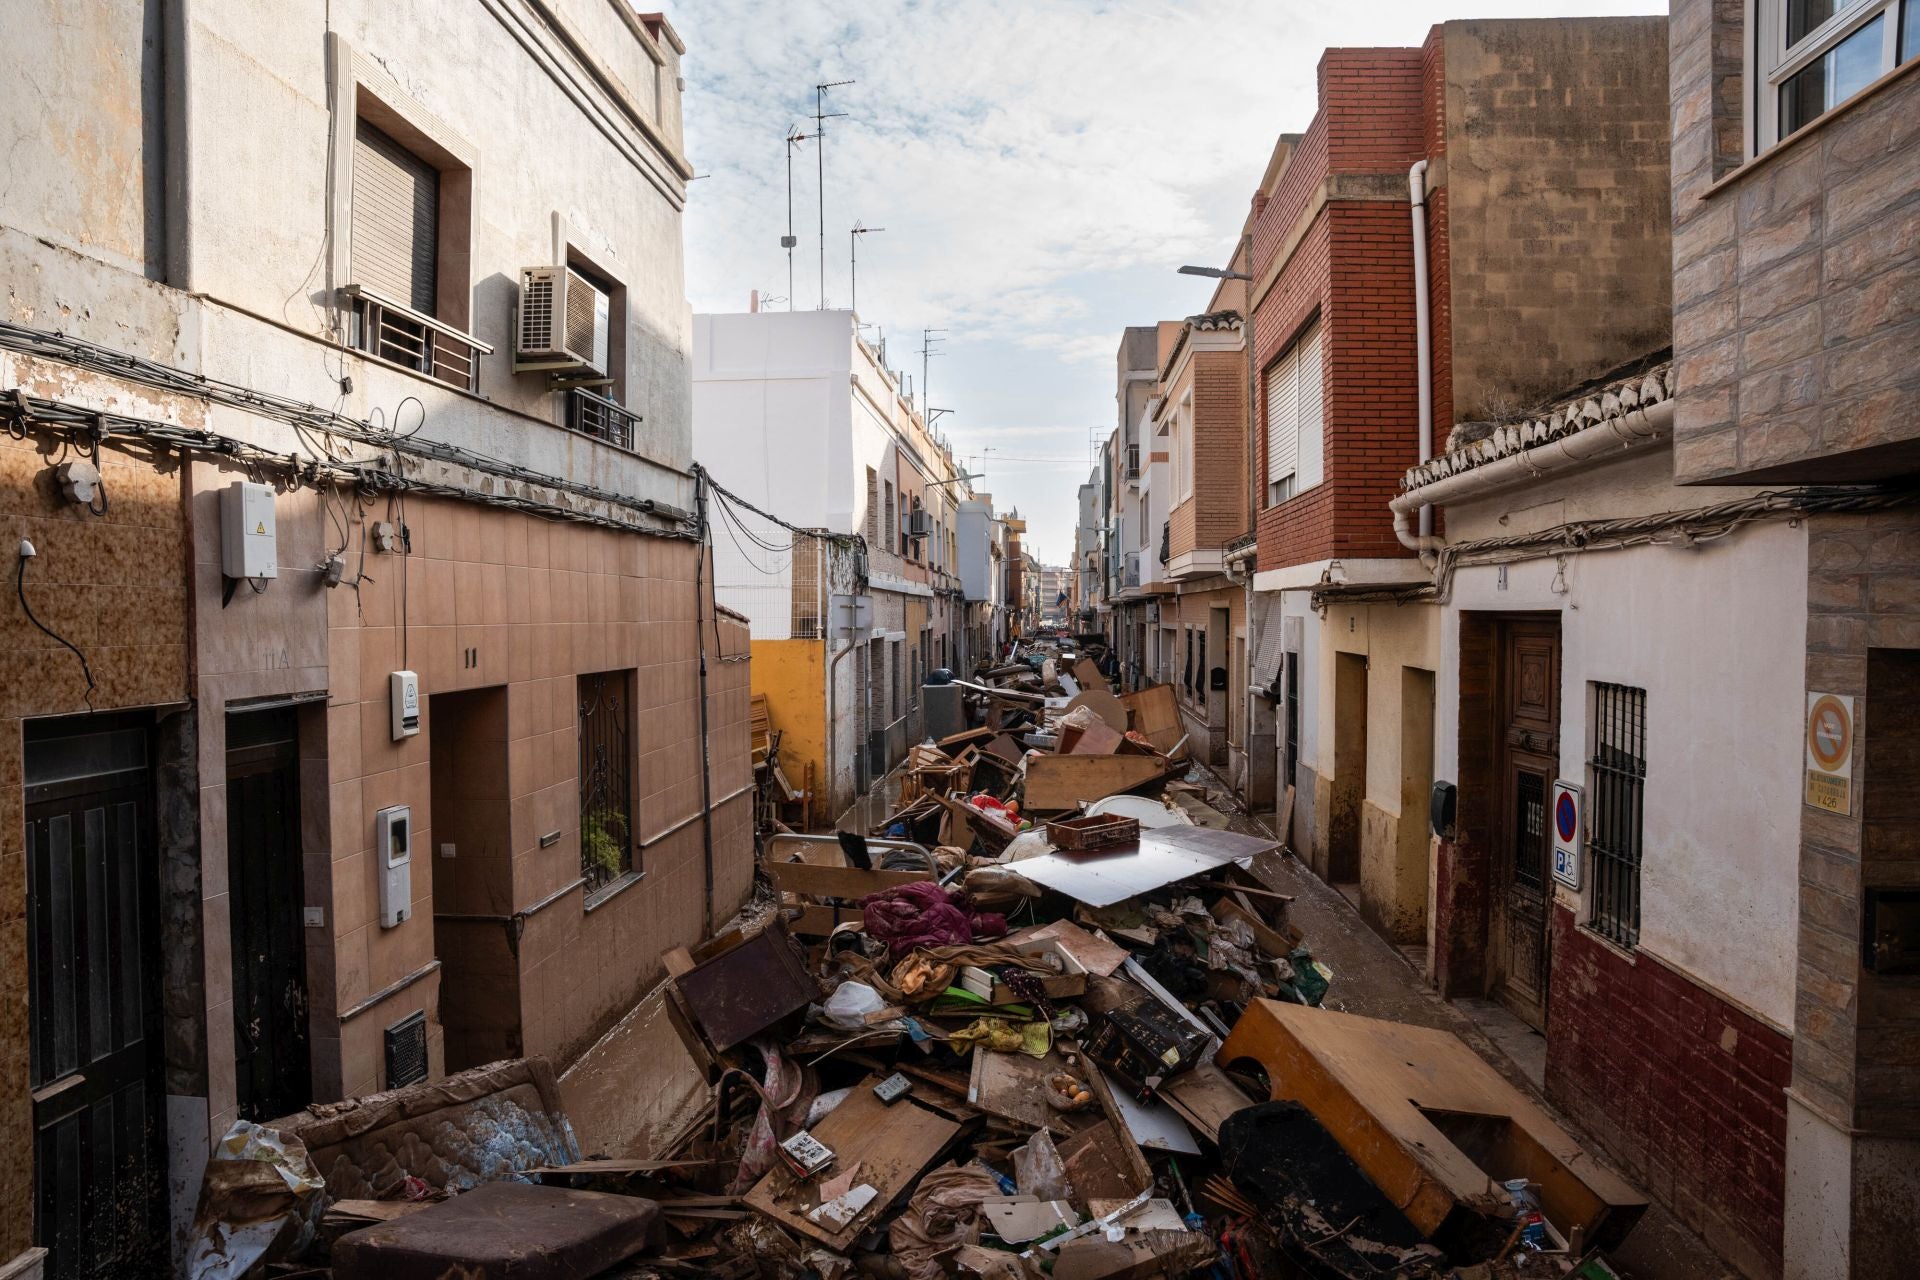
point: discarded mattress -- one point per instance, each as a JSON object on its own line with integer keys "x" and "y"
{"x": 502, "y": 1231}
{"x": 482, "y": 1125}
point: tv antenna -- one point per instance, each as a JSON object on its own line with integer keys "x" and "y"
{"x": 789, "y": 240}
{"x": 820, "y": 117}
{"x": 927, "y": 338}
{"x": 853, "y": 263}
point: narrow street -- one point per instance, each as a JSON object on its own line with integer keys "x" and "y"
{"x": 1007, "y": 640}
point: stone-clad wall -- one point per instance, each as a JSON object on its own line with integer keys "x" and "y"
{"x": 1794, "y": 280}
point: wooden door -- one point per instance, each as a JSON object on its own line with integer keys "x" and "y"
{"x": 99, "y": 1159}
{"x": 1528, "y": 763}
{"x": 273, "y": 1065}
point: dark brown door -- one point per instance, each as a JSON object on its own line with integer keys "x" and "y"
{"x": 273, "y": 1068}
{"x": 93, "y": 959}
{"x": 1528, "y": 762}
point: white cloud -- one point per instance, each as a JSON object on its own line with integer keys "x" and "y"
{"x": 1040, "y": 166}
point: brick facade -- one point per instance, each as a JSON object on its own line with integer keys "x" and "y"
{"x": 1683, "y": 1088}
{"x": 1331, "y": 241}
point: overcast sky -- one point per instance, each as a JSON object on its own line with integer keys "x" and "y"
{"x": 1040, "y": 168}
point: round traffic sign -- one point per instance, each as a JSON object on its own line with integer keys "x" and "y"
{"x": 1566, "y": 817}
{"x": 1829, "y": 732}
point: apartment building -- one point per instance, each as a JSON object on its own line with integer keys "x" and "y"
{"x": 1201, "y": 420}
{"x": 1532, "y": 285}
{"x": 797, "y": 414}
{"x": 1796, "y": 252}
{"x": 356, "y": 689}
{"x": 1136, "y": 370}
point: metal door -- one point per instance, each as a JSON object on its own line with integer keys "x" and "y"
{"x": 1529, "y": 761}
{"x": 266, "y": 883}
{"x": 93, "y": 963}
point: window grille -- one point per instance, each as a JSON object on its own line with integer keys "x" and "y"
{"x": 606, "y": 779}
{"x": 1616, "y": 809}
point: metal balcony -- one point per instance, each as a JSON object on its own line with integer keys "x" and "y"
{"x": 603, "y": 419}
{"x": 391, "y": 331}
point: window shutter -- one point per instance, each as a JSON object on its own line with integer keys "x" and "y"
{"x": 1310, "y": 451}
{"x": 1282, "y": 418}
{"x": 396, "y": 220}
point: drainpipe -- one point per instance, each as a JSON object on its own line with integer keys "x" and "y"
{"x": 1422, "y": 325}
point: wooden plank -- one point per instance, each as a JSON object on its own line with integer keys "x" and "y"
{"x": 1014, "y": 1087}
{"x": 837, "y": 882}
{"x": 1087, "y": 673}
{"x": 1205, "y": 1097}
{"x": 1156, "y": 714}
{"x": 1095, "y": 1167}
{"x": 1097, "y": 739}
{"x": 1095, "y": 954}
{"x": 1058, "y": 783}
{"x": 815, "y": 921}
{"x": 1139, "y": 1172}
{"x": 891, "y": 1147}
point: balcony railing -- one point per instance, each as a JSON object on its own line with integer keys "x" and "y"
{"x": 400, "y": 335}
{"x": 1166, "y": 541}
{"x": 603, "y": 419}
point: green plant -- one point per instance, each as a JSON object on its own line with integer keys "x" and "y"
{"x": 603, "y": 841}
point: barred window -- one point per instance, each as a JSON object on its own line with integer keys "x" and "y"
{"x": 1617, "y": 781}
{"x": 606, "y": 775}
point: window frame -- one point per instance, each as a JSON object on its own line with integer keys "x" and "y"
{"x": 1302, "y": 476}
{"x": 1774, "y": 63}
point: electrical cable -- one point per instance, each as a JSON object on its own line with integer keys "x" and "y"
{"x": 20, "y": 586}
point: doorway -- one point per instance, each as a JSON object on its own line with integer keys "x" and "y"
{"x": 1349, "y": 767}
{"x": 1416, "y": 782}
{"x": 1527, "y": 759}
{"x": 474, "y": 932}
{"x": 266, "y": 885}
{"x": 93, "y": 962}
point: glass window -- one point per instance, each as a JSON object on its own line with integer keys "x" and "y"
{"x": 1842, "y": 71}
{"x": 1816, "y": 54}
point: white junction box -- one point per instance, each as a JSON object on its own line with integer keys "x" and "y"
{"x": 404, "y": 701}
{"x": 247, "y": 539}
{"x": 393, "y": 846}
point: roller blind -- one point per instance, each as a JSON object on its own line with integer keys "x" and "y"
{"x": 1282, "y": 418}
{"x": 1309, "y": 452}
{"x": 1294, "y": 432}
{"x": 396, "y": 220}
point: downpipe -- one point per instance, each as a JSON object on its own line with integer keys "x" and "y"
{"x": 1423, "y": 331}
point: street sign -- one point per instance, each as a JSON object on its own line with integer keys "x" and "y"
{"x": 1829, "y": 752}
{"x": 1566, "y": 834}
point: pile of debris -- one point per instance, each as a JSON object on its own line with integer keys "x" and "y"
{"x": 1048, "y": 1018}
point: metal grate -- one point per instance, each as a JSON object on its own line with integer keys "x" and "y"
{"x": 603, "y": 419}
{"x": 606, "y": 771}
{"x": 1530, "y": 830}
{"x": 407, "y": 1050}
{"x": 1617, "y": 808}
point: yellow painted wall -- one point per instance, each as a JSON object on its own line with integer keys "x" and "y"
{"x": 792, "y": 675}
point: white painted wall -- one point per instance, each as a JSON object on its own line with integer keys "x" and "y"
{"x": 1716, "y": 636}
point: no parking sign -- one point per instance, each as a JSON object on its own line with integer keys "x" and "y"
{"x": 1566, "y": 834}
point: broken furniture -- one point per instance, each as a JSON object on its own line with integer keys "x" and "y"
{"x": 1430, "y": 1122}
{"x": 502, "y": 1231}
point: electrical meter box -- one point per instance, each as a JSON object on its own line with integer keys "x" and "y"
{"x": 247, "y": 538}
{"x": 405, "y": 704}
{"x": 393, "y": 846}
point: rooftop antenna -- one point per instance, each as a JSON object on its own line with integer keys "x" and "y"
{"x": 927, "y": 338}
{"x": 820, "y": 117}
{"x": 789, "y": 240}
{"x": 853, "y": 262}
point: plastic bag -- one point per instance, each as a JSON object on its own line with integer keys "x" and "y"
{"x": 825, "y": 1103}
{"x": 849, "y": 1007}
{"x": 1040, "y": 1171}
{"x": 260, "y": 1201}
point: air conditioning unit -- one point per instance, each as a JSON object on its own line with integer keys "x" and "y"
{"x": 919, "y": 523}
{"x": 563, "y": 323}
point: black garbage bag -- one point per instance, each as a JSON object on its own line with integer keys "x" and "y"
{"x": 1336, "y": 1223}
